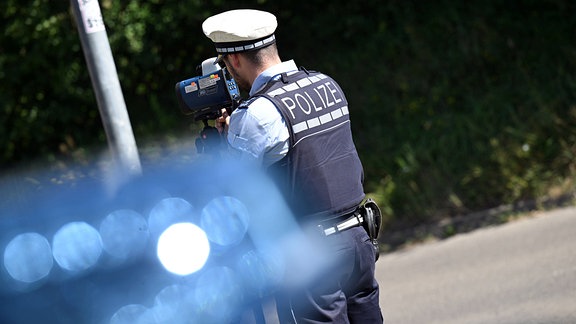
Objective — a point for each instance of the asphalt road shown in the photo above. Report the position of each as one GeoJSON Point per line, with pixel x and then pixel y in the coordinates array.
{"type": "Point", "coordinates": [520, 272]}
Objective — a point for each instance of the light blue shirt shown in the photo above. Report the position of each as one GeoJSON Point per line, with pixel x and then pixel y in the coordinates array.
{"type": "Point", "coordinates": [260, 133]}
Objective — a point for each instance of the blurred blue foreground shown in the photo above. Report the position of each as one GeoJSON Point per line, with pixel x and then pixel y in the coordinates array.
{"type": "Point", "coordinates": [197, 243]}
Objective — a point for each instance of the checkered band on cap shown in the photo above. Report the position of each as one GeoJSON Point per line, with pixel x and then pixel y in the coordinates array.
{"type": "Point", "coordinates": [226, 48]}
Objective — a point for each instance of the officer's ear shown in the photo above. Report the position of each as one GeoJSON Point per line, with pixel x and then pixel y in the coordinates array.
{"type": "Point", "coordinates": [233, 59]}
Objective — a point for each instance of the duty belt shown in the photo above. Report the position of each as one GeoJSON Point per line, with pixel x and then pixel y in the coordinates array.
{"type": "Point", "coordinates": [355, 220]}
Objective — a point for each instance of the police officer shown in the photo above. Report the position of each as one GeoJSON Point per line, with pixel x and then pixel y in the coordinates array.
{"type": "Point", "coordinates": [296, 124]}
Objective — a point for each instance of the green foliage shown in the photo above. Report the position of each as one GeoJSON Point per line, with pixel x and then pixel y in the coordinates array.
{"type": "Point", "coordinates": [475, 104]}
{"type": "Point", "coordinates": [41, 71]}
{"type": "Point", "coordinates": [456, 106]}
{"type": "Point", "coordinates": [48, 105]}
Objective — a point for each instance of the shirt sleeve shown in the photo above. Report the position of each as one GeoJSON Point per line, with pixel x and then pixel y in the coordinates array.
{"type": "Point", "coordinates": [259, 132]}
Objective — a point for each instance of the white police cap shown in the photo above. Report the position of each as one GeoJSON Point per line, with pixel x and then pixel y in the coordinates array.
{"type": "Point", "coordinates": [240, 30]}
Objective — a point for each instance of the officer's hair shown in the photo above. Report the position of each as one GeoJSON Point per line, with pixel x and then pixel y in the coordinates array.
{"type": "Point", "coordinates": [261, 55]}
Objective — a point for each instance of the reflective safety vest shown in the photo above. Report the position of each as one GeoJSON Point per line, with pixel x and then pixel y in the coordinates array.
{"type": "Point", "coordinates": [321, 176]}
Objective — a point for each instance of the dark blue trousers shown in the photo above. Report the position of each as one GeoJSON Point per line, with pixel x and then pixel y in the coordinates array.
{"type": "Point", "coordinates": [347, 292]}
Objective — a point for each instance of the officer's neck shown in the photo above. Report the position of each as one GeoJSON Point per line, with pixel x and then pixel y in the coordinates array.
{"type": "Point", "coordinates": [254, 70]}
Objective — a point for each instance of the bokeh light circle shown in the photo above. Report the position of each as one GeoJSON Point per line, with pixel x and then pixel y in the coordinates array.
{"type": "Point", "coordinates": [124, 234]}
{"type": "Point", "coordinates": [225, 220]}
{"type": "Point", "coordinates": [219, 294]}
{"type": "Point", "coordinates": [167, 212]}
{"type": "Point", "coordinates": [129, 314]}
{"type": "Point", "coordinates": [173, 304]}
{"type": "Point", "coordinates": [183, 248]}
{"type": "Point", "coordinates": [77, 246]}
{"type": "Point", "coordinates": [28, 257]}
{"type": "Point", "coordinates": [260, 270]}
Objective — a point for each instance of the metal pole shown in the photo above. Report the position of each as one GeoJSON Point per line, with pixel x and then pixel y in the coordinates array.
{"type": "Point", "coordinates": [106, 85]}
